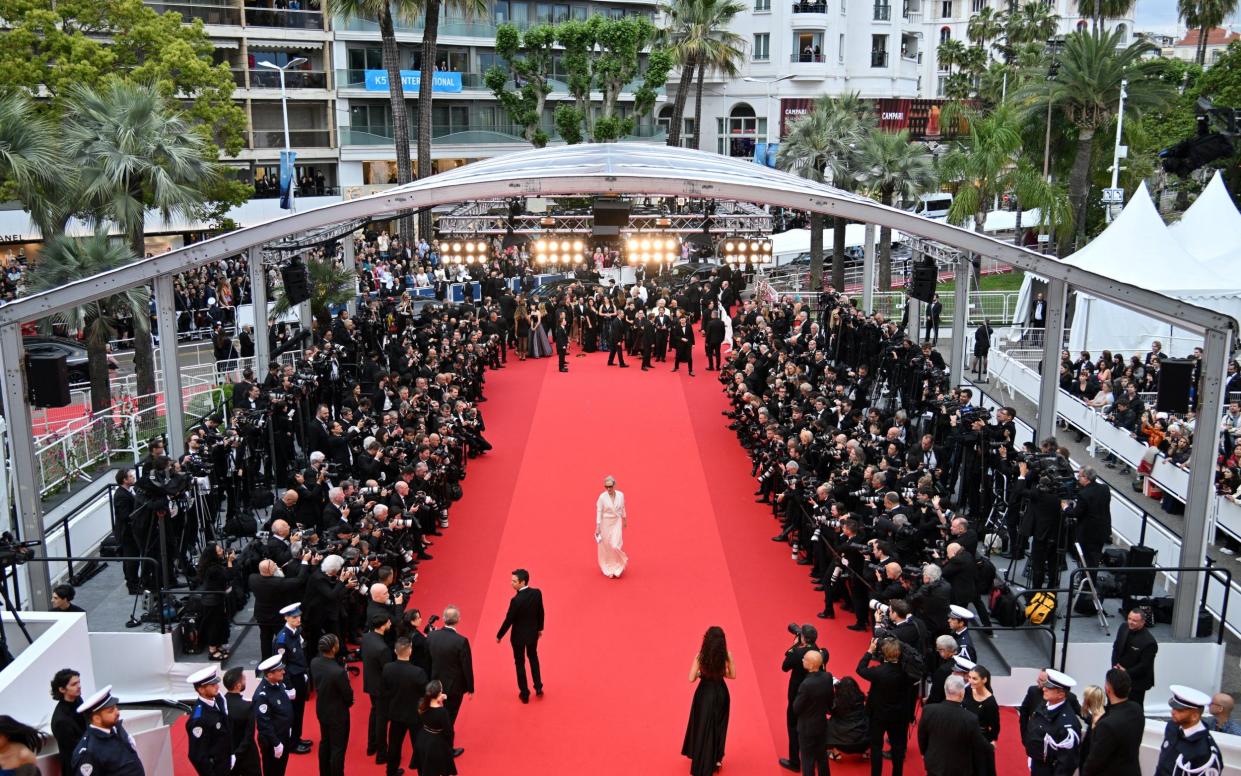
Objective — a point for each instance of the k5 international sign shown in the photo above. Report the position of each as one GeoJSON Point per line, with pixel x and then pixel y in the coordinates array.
{"type": "Point", "coordinates": [411, 80]}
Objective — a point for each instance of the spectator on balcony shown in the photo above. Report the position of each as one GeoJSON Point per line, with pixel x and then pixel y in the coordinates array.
{"type": "Point", "coordinates": [807, 53]}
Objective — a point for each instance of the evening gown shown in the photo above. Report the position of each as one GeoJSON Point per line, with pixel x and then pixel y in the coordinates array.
{"type": "Point", "coordinates": [540, 345]}
{"type": "Point", "coordinates": [708, 726]}
{"type": "Point", "coordinates": [590, 332]}
{"type": "Point", "coordinates": [433, 744]}
{"type": "Point", "coordinates": [610, 517]}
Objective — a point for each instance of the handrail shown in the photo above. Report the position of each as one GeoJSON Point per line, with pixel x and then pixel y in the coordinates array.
{"type": "Point", "coordinates": [1051, 655]}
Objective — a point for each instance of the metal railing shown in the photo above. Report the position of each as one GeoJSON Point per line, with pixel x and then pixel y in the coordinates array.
{"type": "Point", "coordinates": [284, 17]}
{"type": "Point", "coordinates": [883, 13]}
{"type": "Point", "coordinates": [209, 13]}
{"type": "Point", "coordinates": [262, 78]}
{"type": "Point", "coordinates": [809, 7]}
{"type": "Point", "coordinates": [878, 59]}
{"type": "Point", "coordinates": [803, 57]}
{"type": "Point", "coordinates": [298, 138]}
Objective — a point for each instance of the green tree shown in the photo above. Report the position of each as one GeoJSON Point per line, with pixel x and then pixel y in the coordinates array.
{"type": "Point", "coordinates": [822, 146]}
{"type": "Point", "coordinates": [698, 37]}
{"type": "Point", "coordinates": [131, 153]}
{"type": "Point", "coordinates": [66, 259]}
{"type": "Point", "coordinates": [1204, 15]}
{"type": "Point", "coordinates": [51, 47]}
{"type": "Point", "coordinates": [891, 168]}
{"type": "Point", "coordinates": [1032, 22]}
{"type": "Point", "coordinates": [1099, 10]}
{"type": "Point", "coordinates": [430, 38]}
{"type": "Point", "coordinates": [28, 149]}
{"type": "Point", "coordinates": [1086, 92]}
{"type": "Point", "coordinates": [331, 283]}
{"type": "Point", "coordinates": [604, 55]}
{"type": "Point", "coordinates": [382, 12]}
{"type": "Point", "coordinates": [522, 89]}
{"type": "Point", "coordinates": [985, 27]}
{"type": "Point", "coordinates": [950, 53]}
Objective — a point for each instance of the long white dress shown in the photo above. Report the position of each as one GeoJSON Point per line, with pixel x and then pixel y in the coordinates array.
{"type": "Point", "coordinates": [610, 517]}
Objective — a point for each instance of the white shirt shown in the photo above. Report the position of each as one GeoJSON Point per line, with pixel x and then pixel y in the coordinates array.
{"type": "Point", "coordinates": [610, 506]}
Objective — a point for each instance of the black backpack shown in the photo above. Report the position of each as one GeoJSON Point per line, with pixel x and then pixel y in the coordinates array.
{"type": "Point", "coordinates": [1007, 610]}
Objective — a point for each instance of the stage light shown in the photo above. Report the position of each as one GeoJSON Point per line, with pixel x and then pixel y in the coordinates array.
{"type": "Point", "coordinates": [652, 247]}
{"type": "Point", "coordinates": [745, 251]}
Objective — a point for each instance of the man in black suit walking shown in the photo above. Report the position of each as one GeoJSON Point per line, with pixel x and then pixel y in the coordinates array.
{"type": "Point", "coordinates": [887, 703]}
{"type": "Point", "coordinates": [404, 685]}
{"type": "Point", "coordinates": [452, 664]}
{"type": "Point", "coordinates": [814, 700]}
{"type": "Point", "coordinates": [1117, 736]}
{"type": "Point", "coordinates": [714, 335]}
{"type": "Point", "coordinates": [560, 333]}
{"type": "Point", "coordinates": [950, 737]}
{"type": "Point", "coordinates": [683, 342]}
{"type": "Point", "coordinates": [525, 617]}
{"type": "Point", "coordinates": [334, 699]}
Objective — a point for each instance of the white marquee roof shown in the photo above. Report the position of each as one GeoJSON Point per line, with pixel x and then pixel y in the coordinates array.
{"type": "Point", "coordinates": [1211, 227]}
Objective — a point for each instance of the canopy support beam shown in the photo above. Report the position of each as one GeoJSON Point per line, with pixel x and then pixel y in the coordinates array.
{"type": "Point", "coordinates": [26, 480]}
{"type": "Point", "coordinates": [1053, 336]}
{"type": "Point", "coordinates": [960, 310]}
{"type": "Point", "coordinates": [174, 402]}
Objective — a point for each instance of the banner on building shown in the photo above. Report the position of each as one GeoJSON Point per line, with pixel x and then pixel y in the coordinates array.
{"type": "Point", "coordinates": [791, 109]}
{"type": "Point", "coordinates": [411, 80]}
{"type": "Point", "coordinates": [288, 178]}
{"type": "Point", "coordinates": [921, 118]}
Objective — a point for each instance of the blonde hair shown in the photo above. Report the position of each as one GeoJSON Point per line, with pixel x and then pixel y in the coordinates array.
{"type": "Point", "coordinates": [609, 479]}
{"type": "Point", "coordinates": [1093, 702]}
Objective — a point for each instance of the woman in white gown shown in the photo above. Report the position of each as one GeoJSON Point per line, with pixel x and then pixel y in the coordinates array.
{"type": "Point", "coordinates": [610, 522]}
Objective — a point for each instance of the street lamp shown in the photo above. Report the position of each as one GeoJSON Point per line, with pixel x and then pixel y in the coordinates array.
{"type": "Point", "coordinates": [767, 107]}
{"type": "Point", "coordinates": [287, 160]}
{"type": "Point", "coordinates": [284, 101]}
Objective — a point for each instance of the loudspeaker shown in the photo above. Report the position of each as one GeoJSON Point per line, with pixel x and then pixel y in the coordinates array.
{"type": "Point", "coordinates": [922, 281]}
{"type": "Point", "coordinates": [1176, 378]}
{"type": "Point", "coordinates": [610, 215]}
{"type": "Point", "coordinates": [48, 380]}
{"type": "Point", "coordinates": [1140, 583]}
{"type": "Point", "coordinates": [296, 281]}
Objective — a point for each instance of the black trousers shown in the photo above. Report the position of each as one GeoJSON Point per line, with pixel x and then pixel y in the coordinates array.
{"type": "Point", "coordinates": [273, 765]}
{"type": "Point", "coordinates": [377, 727]}
{"type": "Point", "coordinates": [687, 359]}
{"type": "Point", "coordinates": [397, 730]}
{"type": "Point", "coordinates": [898, 733]}
{"type": "Point", "coordinates": [932, 332]}
{"type": "Point", "coordinates": [790, 721]}
{"type": "Point", "coordinates": [646, 356]}
{"type": "Point", "coordinates": [814, 757]}
{"type": "Point", "coordinates": [713, 357]}
{"type": "Point", "coordinates": [617, 351]}
{"type": "Point", "coordinates": [1042, 563]}
{"type": "Point", "coordinates": [859, 596]}
{"type": "Point", "coordinates": [522, 652]}
{"type": "Point", "coordinates": [661, 346]}
{"type": "Point", "coordinates": [298, 682]}
{"type": "Point", "coordinates": [129, 547]}
{"type": "Point", "coordinates": [333, 741]}
{"type": "Point", "coordinates": [267, 633]}
{"type": "Point", "coordinates": [453, 704]}
{"type": "Point", "coordinates": [560, 356]}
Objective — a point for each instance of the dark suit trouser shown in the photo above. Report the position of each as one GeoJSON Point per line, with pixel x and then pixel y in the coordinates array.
{"type": "Point", "coordinates": [333, 741]}
{"type": "Point", "coordinates": [298, 682]}
{"type": "Point", "coordinates": [273, 765]}
{"type": "Point", "coordinates": [520, 654]}
{"type": "Point", "coordinates": [687, 359]}
{"type": "Point", "coordinates": [790, 721]}
{"type": "Point", "coordinates": [932, 332]}
{"type": "Point", "coordinates": [560, 356]}
{"type": "Point", "coordinates": [897, 732]}
{"type": "Point", "coordinates": [661, 346]}
{"type": "Point", "coordinates": [713, 357]}
{"type": "Point", "coordinates": [858, 597]}
{"type": "Point", "coordinates": [453, 704]}
{"type": "Point", "coordinates": [617, 351]}
{"type": "Point", "coordinates": [396, 740]}
{"type": "Point", "coordinates": [1137, 696]}
{"type": "Point", "coordinates": [646, 356]}
{"type": "Point", "coordinates": [1042, 563]}
{"type": "Point", "coordinates": [814, 756]}
{"type": "Point", "coordinates": [267, 632]}
{"type": "Point", "coordinates": [377, 727]}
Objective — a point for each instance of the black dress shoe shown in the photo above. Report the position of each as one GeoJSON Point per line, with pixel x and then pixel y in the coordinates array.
{"type": "Point", "coordinates": [305, 742]}
{"type": "Point", "coordinates": [804, 562]}
{"type": "Point", "coordinates": [381, 759]}
{"type": "Point", "coordinates": [624, 366]}
{"type": "Point", "coordinates": [828, 615]}
{"type": "Point", "coordinates": [538, 691]}
{"type": "Point", "coordinates": [780, 538]}
{"type": "Point", "coordinates": [425, 556]}
{"type": "Point", "coordinates": [818, 588]}
{"type": "Point", "coordinates": [857, 626]}
{"type": "Point", "coordinates": [457, 752]}
{"type": "Point", "coordinates": [789, 764]}
{"type": "Point", "coordinates": [525, 697]}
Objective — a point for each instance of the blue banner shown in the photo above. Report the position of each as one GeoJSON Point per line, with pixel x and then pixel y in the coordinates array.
{"type": "Point", "coordinates": [288, 178]}
{"type": "Point", "coordinates": [411, 80]}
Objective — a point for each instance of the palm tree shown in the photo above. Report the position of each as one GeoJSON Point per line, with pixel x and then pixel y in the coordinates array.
{"type": "Point", "coordinates": [1087, 93]}
{"type": "Point", "coordinates": [822, 146]}
{"type": "Point", "coordinates": [949, 53]}
{"type": "Point", "coordinates": [1204, 15]}
{"type": "Point", "coordinates": [66, 259]}
{"type": "Point", "coordinates": [891, 167]}
{"type": "Point", "coordinates": [698, 37]}
{"type": "Point", "coordinates": [381, 11]}
{"type": "Point", "coordinates": [430, 36]}
{"type": "Point", "coordinates": [1033, 22]}
{"type": "Point", "coordinates": [331, 283]}
{"type": "Point", "coordinates": [1098, 10]}
{"type": "Point", "coordinates": [132, 152]}
{"type": "Point", "coordinates": [28, 153]}
{"type": "Point", "coordinates": [985, 26]}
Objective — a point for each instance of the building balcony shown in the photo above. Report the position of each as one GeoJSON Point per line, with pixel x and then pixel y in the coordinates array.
{"type": "Point", "coordinates": [448, 27]}
{"type": "Point", "coordinates": [804, 58]}
{"type": "Point", "coordinates": [878, 59]}
{"type": "Point", "coordinates": [264, 78]}
{"type": "Point", "coordinates": [260, 16]}
{"type": "Point", "coordinates": [209, 13]}
{"type": "Point", "coordinates": [806, 7]}
{"type": "Point", "coordinates": [883, 13]}
{"type": "Point", "coordinates": [298, 138]}
{"type": "Point", "coordinates": [465, 135]}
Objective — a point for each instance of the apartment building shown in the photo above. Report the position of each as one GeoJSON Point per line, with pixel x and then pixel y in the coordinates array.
{"type": "Point", "coordinates": [799, 50]}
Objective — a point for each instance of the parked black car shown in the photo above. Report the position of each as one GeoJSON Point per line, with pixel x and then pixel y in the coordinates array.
{"type": "Point", "coordinates": [74, 352]}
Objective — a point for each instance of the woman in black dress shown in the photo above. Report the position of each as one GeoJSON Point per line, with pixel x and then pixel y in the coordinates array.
{"type": "Point", "coordinates": [708, 714]}
{"type": "Point", "coordinates": [433, 744]}
{"type": "Point", "coordinates": [215, 578]}
{"type": "Point", "coordinates": [590, 326]}
{"type": "Point", "coordinates": [848, 730]}
{"type": "Point", "coordinates": [978, 699]}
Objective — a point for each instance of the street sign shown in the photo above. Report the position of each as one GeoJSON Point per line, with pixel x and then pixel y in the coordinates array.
{"type": "Point", "coordinates": [1113, 196]}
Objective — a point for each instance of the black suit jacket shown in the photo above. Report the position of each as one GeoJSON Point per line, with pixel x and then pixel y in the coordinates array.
{"type": "Point", "coordinates": [814, 700]}
{"type": "Point", "coordinates": [271, 594]}
{"type": "Point", "coordinates": [1115, 740]}
{"type": "Point", "coordinates": [715, 332]}
{"type": "Point", "coordinates": [951, 741]}
{"type": "Point", "coordinates": [123, 506]}
{"type": "Point", "coordinates": [525, 617]}
{"type": "Point", "coordinates": [890, 691]}
{"type": "Point", "coordinates": [404, 685]}
{"type": "Point", "coordinates": [1135, 652]}
{"type": "Point", "coordinates": [375, 655]}
{"type": "Point", "coordinates": [1093, 513]}
{"type": "Point", "coordinates": [451, 661]}
{"type": "Point", "coordinates": [960, 571]}
{"type": "Point", "coordinates": [317, 436]}
{"type": "Point", "coordinates": [241, 715]}
{"type": "Point", "coordinates": [333, 691]}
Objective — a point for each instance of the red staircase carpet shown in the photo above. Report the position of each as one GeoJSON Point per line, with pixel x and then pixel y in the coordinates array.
{"type": "Point", "coordinates": [616, 653]}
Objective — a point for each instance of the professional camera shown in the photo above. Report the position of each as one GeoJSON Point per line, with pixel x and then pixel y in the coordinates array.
{"type": "Point", "coordinates": [975, 413]}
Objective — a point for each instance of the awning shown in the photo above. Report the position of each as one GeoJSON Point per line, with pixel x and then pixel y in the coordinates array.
{"type": "Point", "coordinates": [225, 44]}
{"type": "Point", "coordinates": [282, 45]}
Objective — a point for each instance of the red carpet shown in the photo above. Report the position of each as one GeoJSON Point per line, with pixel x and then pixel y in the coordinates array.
{"type": "Point", "coordinates": [616, 653]}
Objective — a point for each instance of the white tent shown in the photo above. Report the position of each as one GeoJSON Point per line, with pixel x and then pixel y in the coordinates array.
{"type": "Point", "coordinates": [1211, 227]}
{"type": "Point", "coordinates": [1138, 248]}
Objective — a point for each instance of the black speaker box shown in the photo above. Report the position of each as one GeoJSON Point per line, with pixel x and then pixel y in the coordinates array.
{"type": "Point", "coordinates": [48, 380]}
{"type": "Point", "coordinates": [1176, 378]}
{"type": "Point", "coordinates": [1140, 583]}
{"type": "Point", "coordinates": [610, 212]}
{"type": "Point", "coordinates": [922, 281]}
{"type": "Point", "coordinates": [296, 282]}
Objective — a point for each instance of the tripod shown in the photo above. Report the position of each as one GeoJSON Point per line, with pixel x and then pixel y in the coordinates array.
{"type": "Point", "coordinates": [6, 657]}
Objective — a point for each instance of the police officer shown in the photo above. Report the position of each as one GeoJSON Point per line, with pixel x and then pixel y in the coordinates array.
{"type": "Point", "coordinates": [1053, 734]}
{"type": "Point", "coordinates": [1187, 745]}
{"type": "Point", "coordinates": [288, 644]}
{"type": "Point", "coordinates": [208, 729]}
{"type": "Point", "coordinates": [959, 619]}
{"type": "Point", "coordinates": [273, 717]}
{"type": "Point", "coordinates": [106, 749]}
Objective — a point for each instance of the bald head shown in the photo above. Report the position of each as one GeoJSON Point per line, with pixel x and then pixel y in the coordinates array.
{"type": "Point", "coordinates": [812, 661]}
{"type": "Point", "coordinates": [267, 567]}
{"type": "Point", "coordinates": [379, 593]}
{"type": "Point", "coordinates": [280, 528]}
{"type": "Point", "coordinates": [290, 497]}
{"type": "Point", "coordinates": [1221, 705]}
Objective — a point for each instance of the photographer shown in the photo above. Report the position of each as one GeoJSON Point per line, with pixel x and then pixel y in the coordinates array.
{"type": "Point", "coordinates": [1091, 508]}
{"type": "Point", "coordinates": [932, 600]}
{"type": "Point", "coordinates": [1041, 521]}
{"type": "Point", "coordinates": [888, 702]}
{"type": "Point", "coordinates": [324, 598]}
{"type": "Point", "coordinates": [806, 639]}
